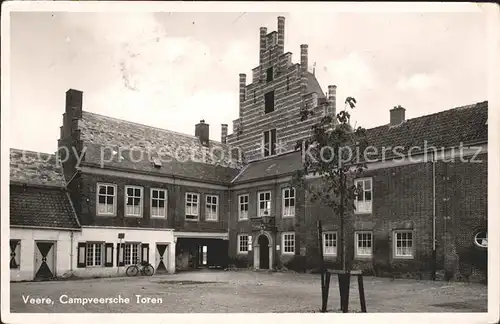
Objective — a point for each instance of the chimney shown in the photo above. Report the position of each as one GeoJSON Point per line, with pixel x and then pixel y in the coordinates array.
{"type": "Point", "coordinates": [397, 115]}
{"type": "Point", "coordinates": [263, 34]}
{"type": "Point", "coordinates": [201, 131]}
{"type": "Point", "coordinates": [223, 133]}
{"type": "Point", "coordinates": [281, 34]}
{"type": "Point", "coordinates": [243, 84]}
{"type": "Point", "coordinates": [303, 57]}
{"type": "Point", "coordinates": [332, 100]}
{"type": "Point", "coordinates": [74, 100]}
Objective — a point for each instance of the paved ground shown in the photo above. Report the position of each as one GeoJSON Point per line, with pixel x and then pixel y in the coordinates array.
{"type": "Point", "coordinates": [245, 291]}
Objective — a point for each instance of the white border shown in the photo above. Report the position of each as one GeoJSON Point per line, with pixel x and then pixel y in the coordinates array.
{"type": "Point", "coordinates": [493, 177]}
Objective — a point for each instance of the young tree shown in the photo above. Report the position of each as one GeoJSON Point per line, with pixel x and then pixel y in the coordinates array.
{"type": "Point", "coordinates": [334, 153]}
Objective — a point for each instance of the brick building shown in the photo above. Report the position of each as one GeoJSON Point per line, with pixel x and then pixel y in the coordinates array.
{"type": "Point", "coordinates": [184, 201]}
{"type": "Point", "coordinates": [415, 215]}
{"type": "Point", "coordinates": [43, 223]}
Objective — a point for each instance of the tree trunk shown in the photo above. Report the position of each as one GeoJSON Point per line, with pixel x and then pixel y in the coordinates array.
{"type": "Point", "coordinates": [341, 215]}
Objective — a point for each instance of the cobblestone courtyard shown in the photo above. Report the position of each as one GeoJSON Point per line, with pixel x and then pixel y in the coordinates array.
{"type": "Point", "coordinates": [245, 291]}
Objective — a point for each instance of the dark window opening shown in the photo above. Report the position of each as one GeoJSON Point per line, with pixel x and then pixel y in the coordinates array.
{"type": "Point", "coordinates": [270, 142]}
{"type": "Point", "coordinates": [254, 99]}
{"type": "Point", "coordinates": [269, 102]}
{"type": "Point", "coordinates": [269, 74]}
{"type": "Point", "coordinates": [287, 83]}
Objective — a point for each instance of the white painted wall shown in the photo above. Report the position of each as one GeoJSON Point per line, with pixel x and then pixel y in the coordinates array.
{"type": "Point", "coordinates": [26, 270]}
{"type": "Point", "coordinates": [66, 249]}
{"type": "Point", "coordinates": [110, 235]}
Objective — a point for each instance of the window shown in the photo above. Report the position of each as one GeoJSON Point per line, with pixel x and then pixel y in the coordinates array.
{"type": "Point", "coordinates": [269, 74]}
{"type": "Point", "coordinates": [287, 83]}
{"type": "Point", "coordinates": [131, 253]}
{"type": "Point", "coordinates": [106, 202]}
{"type": "Point", "coordinates": [403, 244]}
{"type": "Point", "coordinates": [330, 243]}
{"type": "Point", "coordinates": [269, 102]}
{"type": "Point", "coordinates": [363, 201]}
{"type": "Point", "coordinates": [211, 208]}
{"type": "Point", "coordinates": [288, 243]}
{"type": "Point", "coordinates": [15, 254]}
{"type": "Point", "coordinates": [94, 255]}
{"type": "Point", "coordinates": [264, 203]}
{"type": "Point", "coordinates": [243, 243]}
{"type": "Point", "coordinates": [133, 201]}
{"type": "Point", "coordinates": [363, 244]}
{"type": "Point", "coordinates": [288, 202]}
{"type": "Point", "coordinates": [481, 239]}
{"type": "Point", "coordinates": [243, 207]}
{"type": "Point", "coordinates": [158, 203]}
{"type": "Point", "coordinates": [192, 206]}
{"type": "Point", "coordinates": [269, 142]}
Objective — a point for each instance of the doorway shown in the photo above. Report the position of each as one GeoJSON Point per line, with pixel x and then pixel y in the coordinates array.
{"type": "Point", "coordinates": [263, 252]}
{"type": "Point", "coordinates": [161, 265]}
{"type": "Point", "coordinates": [44, 260]}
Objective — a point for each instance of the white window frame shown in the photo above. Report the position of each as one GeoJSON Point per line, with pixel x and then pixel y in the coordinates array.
{"type": "Point", "coordinates": [129, 246]}
{"type": "Point", "coordinates": [141, 201]}
{"type": "Point", "coordinates": [356, 246]}
{"type": "Point", "coordinates": [334, 252]}
{"type": "Point", "coordinates": [115, 195]}
{"type": "Point", "coordinates": [283, 245]}
{"type": "Point", "coordinates": [364, 206]}
{"type": "Point", "coordinates": [290, 211]}
{"type": "Point", "coordinates": [92, 248]}
{"type": "Point", "coordinates": [186, 214]}
{"type": "Point", "coordinates": [249, 242]}
{"type": "Point", "coordinates": [261, 212]}
{"type": "Point", "coordinates": [481, 245]}
{"type": "Point", "coordinates": [209, 217]}
{"type": "Point", "coordinates": [270, 145]}
{"type": "Point", "coordinates": [165, 200]}
{"type": "Point", "coordinates": [243, 215]}
{"type": "Point", "coordinates": [395, 241]}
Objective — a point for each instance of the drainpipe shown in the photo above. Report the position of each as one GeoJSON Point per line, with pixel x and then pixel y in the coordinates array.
{"type": "Point", "coordinates": [228, 226]}
{"type": "Point", "coordinates": [434, 256]}
{"type": "Point", "coordinates": [71, 253]}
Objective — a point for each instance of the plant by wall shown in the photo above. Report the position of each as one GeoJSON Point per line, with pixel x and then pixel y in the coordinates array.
{"type": "Point", "coordinates": [330, 153]}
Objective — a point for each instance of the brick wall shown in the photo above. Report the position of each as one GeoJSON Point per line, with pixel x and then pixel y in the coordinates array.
{"type": "Point", "coordinates": [175, 207]}
{"type": "Point", "coordinates": [283, 224]}
{"type": "Point", "coordinates": [402, 200]}
{"type": "Point", "coordinates": [462, 210]}
{"type": "Point", "coordinates": [290, 92]}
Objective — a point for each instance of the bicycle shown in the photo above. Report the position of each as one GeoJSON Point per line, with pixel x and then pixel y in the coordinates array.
{"type": "Point", "coordinates": [144, 268]}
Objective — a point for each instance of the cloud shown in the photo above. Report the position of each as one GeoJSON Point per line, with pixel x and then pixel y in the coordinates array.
{"type": "Point", "coordinates": [421, 82]}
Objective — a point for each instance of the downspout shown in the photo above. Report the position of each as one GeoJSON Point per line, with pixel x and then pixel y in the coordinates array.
{"type": "Point", "coordinates": [434, 256]}
{"type": "Point", "coordinates": [71, 253]}
{"type": "Point", "coordinates": [228, 226]}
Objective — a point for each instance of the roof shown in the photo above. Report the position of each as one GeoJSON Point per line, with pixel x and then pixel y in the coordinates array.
{"type": "Point", "coordinates": [277, 166]}
{"type": "Point", "coordinates": [314, 86]}
{"type": "Point", "coordinates": [41, 207]}
{"type": "Point", "coordinates": [466, 124]}
{"type": "Point", "coordinates": [141, 161]}
{"type": "Point", "coordinates": [448, 128]}
{"type": "Point", "coordinates": [35, 168]}
{"type": "Point", "coordinates": [107, 131]}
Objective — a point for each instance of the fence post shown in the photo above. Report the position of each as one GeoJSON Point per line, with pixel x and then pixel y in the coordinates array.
{"type": "Point", "coordinates": [324, 291]}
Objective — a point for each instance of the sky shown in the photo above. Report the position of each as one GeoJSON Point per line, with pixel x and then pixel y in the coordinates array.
{"type": "Point", "coordinates": [170, 70]}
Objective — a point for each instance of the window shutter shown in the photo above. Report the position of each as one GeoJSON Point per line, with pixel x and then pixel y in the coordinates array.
{"type": "Point", "coordinates": [108, 255]}
{"type": "Point", "coordinates": [145, 252]}
{"type": "Point", "coordinates": [119, 254]}
{"type": "Point", "coordinates": [81, 253]}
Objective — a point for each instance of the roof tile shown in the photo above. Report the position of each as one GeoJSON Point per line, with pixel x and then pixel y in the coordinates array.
{"type": "Point", "coordinates": [41, 206]}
